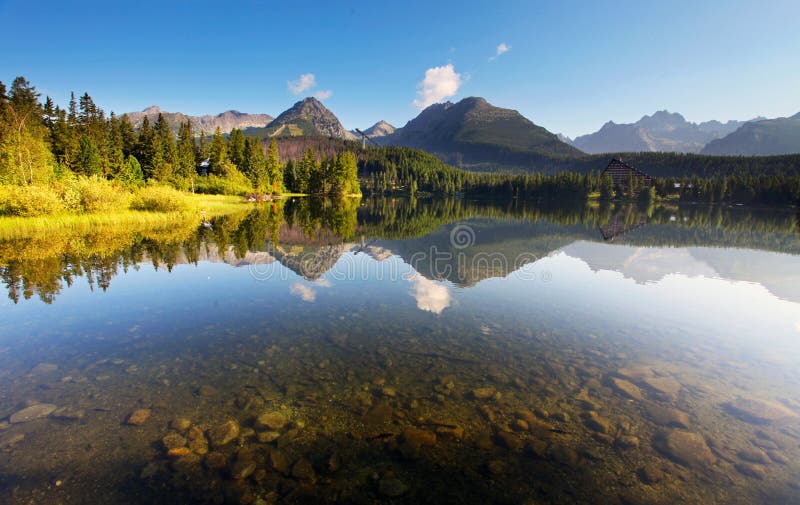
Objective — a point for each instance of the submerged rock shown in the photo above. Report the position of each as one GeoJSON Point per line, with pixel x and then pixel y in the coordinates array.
{"type": "Point", "coordinates": [380, 414]}
{"type": "Point", "coordinates": [138, 417]}
{"type": "Point", "coordinates": [43, 368]}
{"type": "Point", "coordinates": [778, 457]}
{"type": "Point", "coordinates": [510, 441]}
{"type": "Point", "coordinates": [223, 434]}
{"type": "Point", "coordinates": [215, 460]}
{"type": "Point", "coordinates": [754, 456]}
{"type": "Point", "coordinates": [751, 470]}
{"type": "Point", "coordinates": [651, 474]}
{"type": "Point", "coordinates": [271, 420]}
{"type": "Point", "coordinates": [68, 414]}
{"type": "Point", "coordinates": [483, 393]}
{"type": "Point", "coordinates": [266, 437]}
{"type": "Point", "coordinates": [302, 470]}
{"type": "Point", "coordinates": [685, 447]}
{"type": "Point", "coordinates": [666, 386]}
{"type": "Point", "coordinates": [759, 411]}
{"type": "Point", "coordinates": [10, 439]}
{"type": "Point", "coordinates": [279, 462]}
{"type": "Point", "coordinates": [392, 487]}
{"type": "Point", "coordinates": [180, 424]}
{"type": "Point", "coordinates": [627, 389]}
{"type": "Point", "coordinates": [243, 469]}
{"type": "Point", "coordinates": [596, 422]}
{"type": "Point", "coordinates": [636, 373]}
{"type": "Point", "coordinates": [173, 441]}
{"type": "Point", "coordinates": [666, 416]}
{"type": "Point", "coordinates": [416, 437]}
{"type": "Point", "coordinates": [31, 413]}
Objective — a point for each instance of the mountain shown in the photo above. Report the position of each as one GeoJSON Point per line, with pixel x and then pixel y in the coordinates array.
{"type": "Point", "coordinates": [473, 133]}
{"type": "Point", "coordinates": [760, 138]}
{"type": "Point", "coordinates": [563, 138]}
{"type": "Point", "coordinates": [307, 117]}
{"type": "Point", "coordinates": [379, 129]}
{"type": "Point", "coordinates": [663, 131]}
{"type": "Point", "coordinates": [226, 121]}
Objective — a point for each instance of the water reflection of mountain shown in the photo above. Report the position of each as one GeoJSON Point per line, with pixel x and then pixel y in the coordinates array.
{"type": "Point", "coordinates": [779, 273]}
{"type": "Point", "coordinates": [309, 237]}
{"type": "Point", "coordinates": [497, 248]}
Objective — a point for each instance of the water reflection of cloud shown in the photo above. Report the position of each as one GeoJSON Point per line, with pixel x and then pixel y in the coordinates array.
{"type": "Point", "coordinates": [323, 283]}
{"type": "Point", "coordinates": [430, 295]}
{"type": "Point", "coordinates": [797, 326]}
{"type": "Point", "coordinates": [305, 293]}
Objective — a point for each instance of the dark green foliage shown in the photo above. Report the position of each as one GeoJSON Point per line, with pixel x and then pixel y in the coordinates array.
{"type": "Point", "coordinates": [185, 153]}
{"type": "Point", "coordinates": [397, 168]}
{"type": "Point", "coordinates": [252, 163]}
{"type": "Point", "coordinates": [88, 159]}
{"type": "Point", "coordinates": [217, 152]}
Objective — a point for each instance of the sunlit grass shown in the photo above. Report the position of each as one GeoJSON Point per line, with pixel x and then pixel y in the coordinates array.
{"type": "Point", "coordinates": [200, 207]}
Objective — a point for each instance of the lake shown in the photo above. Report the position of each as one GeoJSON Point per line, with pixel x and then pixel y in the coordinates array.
{"type": "Point", "coordinates": [407, 351]}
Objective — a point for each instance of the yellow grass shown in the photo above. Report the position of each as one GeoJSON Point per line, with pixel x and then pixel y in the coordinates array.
{"type": "Point", "coordinates": [203, 206]}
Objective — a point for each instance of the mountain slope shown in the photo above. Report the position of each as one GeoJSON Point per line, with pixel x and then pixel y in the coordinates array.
{"type": "Point", "coordinates": [307, 117]}
{"type": "Point", "coordinates": [226, 121]}
{"type": "Point", "coordinates": [473, 133]}
{"type": "Point", "coordinates": [380, 129]}
{"type": "Point", "coordinates": [760, 138]}
{"type": "Point", "coordinates": [663, 131]}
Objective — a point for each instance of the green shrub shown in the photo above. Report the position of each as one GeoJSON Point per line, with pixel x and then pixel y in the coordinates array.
{"type": "Point", "coordinates": [215, 185]}
{"type": "Point", "coordinates": [91, 194]}
{"type": "Point", "coordinates": [160, 199]}
{"type": "Point", "coordinates": [99, 195]}
{"type": "Point", "coordinates": [29, 201]}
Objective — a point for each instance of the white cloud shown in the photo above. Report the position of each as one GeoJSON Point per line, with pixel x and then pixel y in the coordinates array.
{"type": "Point", "coordinates": [306, 81]}
{"type": "Point", "coordinates": [430, 296]}
{"type": "Point", "coordinates": [323, 283]}
{"type": "Point", "coordinates": [304, 292]}
{"type": "Point", "coordinates": [501, 49]}
{"type": "Point", "coordinates": [439, 83]}
{"type": "Point", "coordinates": [322, 95]}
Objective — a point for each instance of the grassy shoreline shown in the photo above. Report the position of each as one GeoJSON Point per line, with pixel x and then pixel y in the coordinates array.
{"type": "Point", "coordinates": [202, 206]}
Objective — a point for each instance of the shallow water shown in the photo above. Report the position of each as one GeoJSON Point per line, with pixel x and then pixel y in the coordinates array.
{"type": "Point", "coordinates": [407, 352]}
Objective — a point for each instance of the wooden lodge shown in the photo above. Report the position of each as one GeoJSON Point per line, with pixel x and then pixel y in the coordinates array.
{"type": "Point", "coordinates": [623, 174]}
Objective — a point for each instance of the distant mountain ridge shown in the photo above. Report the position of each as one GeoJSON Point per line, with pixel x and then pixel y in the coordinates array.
{"type": "Point", "coordinates": [475, 133]}
{"type": "Point", "coordinates": [308, 117]}
{"type": "Point", "coordinates": [379, 129]}
{"type": "Point", "coordinates": [663, 131]}
{"type": "Point", "coordinates": [226, 121]}
{"type": "Point", "coordinates": [760, 138]}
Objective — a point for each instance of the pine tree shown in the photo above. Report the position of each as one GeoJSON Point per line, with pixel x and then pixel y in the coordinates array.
{"type": "Point", "coordinates": [254, 165]}
{"type": "Point", "coordinates": [64, 141]}
{"type": "Point", "coordinates": [128, 135]}
{"type": "Point", "coordinates": [217, 153]}
{"type": "Point", "coordinates": [200, 154]}
{"type": "Point", "coordinates": [166, 150]}
{"type": "Point", "coordinates": [146, 151]}
{"type": "Point", "coordinates": [116, 157]}
{"type": "Point", "coordinates": [186, 151]}
{"type": "Point", "coordinates": [274, 171]}
{"type": "Point", "coordinates": [236, 147]}
{"type": "Point", "coordinates": [290, 177]}
{"type": "Point", "coordinates": [88, 159]}
{"type": "Point", "coordinates": [72, 116]}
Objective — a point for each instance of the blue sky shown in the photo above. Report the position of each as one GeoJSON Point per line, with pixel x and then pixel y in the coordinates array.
{"type": "Point", "coordinates": [570, 66]}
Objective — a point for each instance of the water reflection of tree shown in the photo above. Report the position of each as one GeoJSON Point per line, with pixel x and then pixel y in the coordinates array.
{"type": "Point", "coordinates": [41, 265]}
